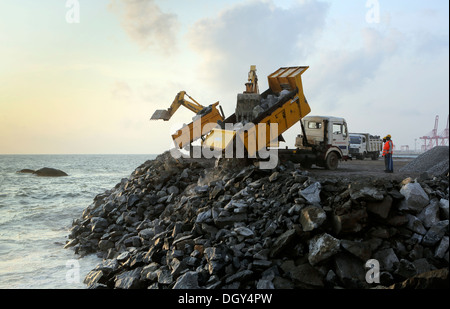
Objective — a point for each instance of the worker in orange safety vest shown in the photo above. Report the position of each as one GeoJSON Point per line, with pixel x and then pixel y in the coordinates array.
{"type": "Point", "coordinates": [388, 149]}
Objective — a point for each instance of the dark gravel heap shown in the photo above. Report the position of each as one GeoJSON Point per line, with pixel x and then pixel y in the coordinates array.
{"type": "Point", "coordinates": [434, 162]}
{"type": "Point", "coordinates": [186, 224]}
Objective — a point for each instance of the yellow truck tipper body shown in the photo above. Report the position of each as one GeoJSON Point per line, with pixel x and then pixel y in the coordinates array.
{"type": "Point", "coordinates": [288, 110]}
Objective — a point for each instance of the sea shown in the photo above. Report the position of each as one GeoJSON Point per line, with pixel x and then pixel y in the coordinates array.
{"type": "Point", "coordinates": [36, 214]}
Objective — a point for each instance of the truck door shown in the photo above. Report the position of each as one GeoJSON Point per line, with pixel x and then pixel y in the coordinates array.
{"type": "Point", "coordinates": [340, 136]}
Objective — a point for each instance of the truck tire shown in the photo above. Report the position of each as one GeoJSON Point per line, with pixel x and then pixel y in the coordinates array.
{"type": "Point", "coordinates": [332, 161]}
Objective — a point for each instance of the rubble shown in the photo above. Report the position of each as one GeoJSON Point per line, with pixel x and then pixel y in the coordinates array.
{"type": "Point", "coordinates": [186, 224]}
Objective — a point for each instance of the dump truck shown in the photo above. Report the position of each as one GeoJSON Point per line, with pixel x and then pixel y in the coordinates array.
{"type": "Point", "coordinates": [205, 116]}
{"type": "Point", "coordinates": [323, 142]}
{"type": "Point", "coordinates": [365, 145]}
{"type": "Point", "coordinates": [279, 108]}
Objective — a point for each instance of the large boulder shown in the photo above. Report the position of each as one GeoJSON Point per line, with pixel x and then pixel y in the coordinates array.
{"type": "Point", "coordinates": [312, 193]}
{"type": "Point", "coordinates": [49, 172]}
{"type": "Point", "coordinates": [415, 197]}
{"type": "Point", "coordinates": [435, 233]}
{"type": "Point", "coordinates": [26, 171]}
{"type": "Point", "coordinates": [312, 217]}
{"type": "Point", "coordinates": [321, 247]}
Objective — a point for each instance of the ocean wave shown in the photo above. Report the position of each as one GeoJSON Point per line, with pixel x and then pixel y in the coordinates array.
{"type": "Point", "coordinates": [36, 212]}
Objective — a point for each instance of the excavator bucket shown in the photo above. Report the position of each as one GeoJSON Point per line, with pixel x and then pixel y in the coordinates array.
{"type": "Point", "coordinates": [161, 114]}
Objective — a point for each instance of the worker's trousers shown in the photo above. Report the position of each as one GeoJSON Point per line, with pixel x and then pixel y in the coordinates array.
{"type": "Point", "coordinates": [388, 163]}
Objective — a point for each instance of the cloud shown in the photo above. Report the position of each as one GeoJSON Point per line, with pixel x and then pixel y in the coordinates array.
{"type": "Point", "coordinates": [254, 32]}
{"type": "Point", "coordinates": [146, 24]}
{"type": "Point", "coordinates": [340, 71]}
{"type": "Point", "coordinates": [121, 91]}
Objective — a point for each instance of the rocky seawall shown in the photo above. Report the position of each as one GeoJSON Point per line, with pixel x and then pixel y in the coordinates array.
{"type": "Point", "coordinates": [186, 224]}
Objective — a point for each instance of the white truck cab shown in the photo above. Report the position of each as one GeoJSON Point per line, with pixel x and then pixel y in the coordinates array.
{"type": "Point", "coordinates": [365, 145]}
{"type": "Point", "coordinates": [327, 138]}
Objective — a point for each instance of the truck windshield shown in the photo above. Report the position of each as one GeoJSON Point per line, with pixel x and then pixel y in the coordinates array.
{"type": "Point", "coordinates": [355, 140]}
{"type": "Point", "coordinates": [314, 125]}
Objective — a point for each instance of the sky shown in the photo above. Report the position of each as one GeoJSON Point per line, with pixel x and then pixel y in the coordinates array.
{"type": "Point", "coordinates": [85, 76]}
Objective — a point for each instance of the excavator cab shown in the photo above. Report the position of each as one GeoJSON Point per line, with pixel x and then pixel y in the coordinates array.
{"type": "Point", "coordinates": [249, 99]}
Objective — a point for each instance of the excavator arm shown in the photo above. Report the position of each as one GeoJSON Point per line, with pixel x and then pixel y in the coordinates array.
{"type": "Point", "coordinates": [166, 114]}
{"type": "Point", "coordinates": [204, 120]}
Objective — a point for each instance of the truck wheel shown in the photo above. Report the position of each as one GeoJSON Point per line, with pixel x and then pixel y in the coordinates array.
{"type": "Point", "coordinates": [332, 161]}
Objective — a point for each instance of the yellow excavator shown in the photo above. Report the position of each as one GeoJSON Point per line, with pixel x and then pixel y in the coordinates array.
{"type": "Point", "coordinates": [196, 129]}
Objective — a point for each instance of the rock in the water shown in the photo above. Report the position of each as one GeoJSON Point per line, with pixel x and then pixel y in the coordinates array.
{"type": "Point", "coordinates": [26, 171]}
{"type": "Point", "coordinates": [49, 172]}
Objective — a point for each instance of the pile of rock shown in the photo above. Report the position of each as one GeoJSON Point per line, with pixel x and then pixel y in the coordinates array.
{"type": "Point", "coordinates": [181, 224]}
{"type": "Point", "coordinates": [434, 162]}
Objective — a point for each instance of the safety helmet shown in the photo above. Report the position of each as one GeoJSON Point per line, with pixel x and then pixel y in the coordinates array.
{"type": "Point", "coordinates": [388, 136]}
